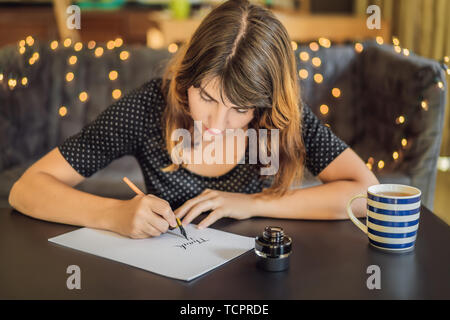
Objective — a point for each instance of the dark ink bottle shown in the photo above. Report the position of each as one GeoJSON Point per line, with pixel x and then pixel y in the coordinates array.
{"type": "Point", "coordinates": [273, 249]}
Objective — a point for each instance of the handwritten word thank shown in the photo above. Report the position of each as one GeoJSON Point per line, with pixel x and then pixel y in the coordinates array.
{"type": "Point", "coordinates": [192, 241]}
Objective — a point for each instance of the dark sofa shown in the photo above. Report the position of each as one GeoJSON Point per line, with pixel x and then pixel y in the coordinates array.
{"type": "Point", "coordinates": [377, 86]}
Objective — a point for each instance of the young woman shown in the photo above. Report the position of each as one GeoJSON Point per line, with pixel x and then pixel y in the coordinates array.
{"type": "Point", "coordinates": [236, 72]}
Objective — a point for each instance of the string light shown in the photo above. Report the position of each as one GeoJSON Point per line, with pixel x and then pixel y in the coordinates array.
{"type": "Point", "coordinates": [118, 42]}
{"type": "Point", "coordinates": [381, 164]}
{"type": "Point", "coordinates": [303, 73]}
{"type": "Point", "coordinates": [395, 41]}
{"type": "Point", "coordinates": [124, 55]}
{"type": "Point", "coordinates": [369, 163]}
{"type": "Point", "coordinates": [316, 61]}
{"type": "Point", "coordinates": [424, 105]}
{"type": "Point", "coordinates": [397, 49]}
{"type": "Point", "coordinates": [29, 40]}
{"type": "Point", "coordinates": [314, 46]}
{"type": "Point", "coordinates": [1, 76]}
{"type": "Point", "coordinates": [83, 96]}
{"type": "Point", "coordinates": [324, 109]}
{"type": "Point", "coordinates": [324, 42]}
{"type": "Point", "coordinates": [69, 76]}
{"type": "Point", "coordinates": [116, 93]}
{"type": "Point", "coordinates": [404, 142]}
{"type": "Point", "coordinates": [395, 155]}
{"type": "Point", "coordinates": [336, 92]}
{"type": "Point", "coordinates": [406, 52]}
{"type": "Point", "coordinates": [400, 120]}
{"type": "Point", "coordinates": [359, 47]}
{"type": "Point", "coordinates": [12, 83]}
{"type": "Point", "coordinates": [304, 56]}
{"type": "Point", "coordinates": [110, 45]}
{"type": "Point", "coordinates": [113, 75]}
{"type": "Point", "coordinates": [294, 45]}
{"type": "Point", "coordinates": [98, 52]}
{"type": "Point", "coordinates": [54, 45]}
{"type": "Point", "coordinates": [67, 42]}
{"type": "Point", "coordinates": [318, 78]}
{"type": "Point", "coordinates": [62, 111]}
{"type": "Point", "coordinates": [78, 46]}
{"type": "Point", "coordinates": [72, 60]}
{"type": "Point", "coordinates": [379, 40]}
{"type": "Point", "coordinates": [446, 59]}
{"type": "Point", "coordinates": [440, 84]}
{"type": "Point", "coordinates": [173, 48]}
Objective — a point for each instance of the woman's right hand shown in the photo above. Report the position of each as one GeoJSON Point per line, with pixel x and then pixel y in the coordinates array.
{"type": "Point", "coordinates": [143, 217]}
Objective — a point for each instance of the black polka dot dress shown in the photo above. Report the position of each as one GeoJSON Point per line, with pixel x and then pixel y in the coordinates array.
{"type": "Point", "coordinates": [132, 126]}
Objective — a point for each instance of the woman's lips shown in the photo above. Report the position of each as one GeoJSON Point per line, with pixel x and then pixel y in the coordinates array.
{"type": "Point", "coordinates": [213, 131]}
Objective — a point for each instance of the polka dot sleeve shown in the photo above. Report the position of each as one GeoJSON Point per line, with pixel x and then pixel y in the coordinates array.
{"type": "Point", "coordinates": [117, 131]}
{"type": "Point", "coordinates": [322, 145]}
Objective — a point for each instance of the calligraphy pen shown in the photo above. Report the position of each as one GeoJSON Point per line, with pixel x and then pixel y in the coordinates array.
{"type": "Point", "coordinates": [139, 192]}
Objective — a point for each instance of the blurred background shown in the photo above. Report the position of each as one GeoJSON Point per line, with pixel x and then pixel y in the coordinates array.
{"type": "Point", "coordinates": [384, 91]}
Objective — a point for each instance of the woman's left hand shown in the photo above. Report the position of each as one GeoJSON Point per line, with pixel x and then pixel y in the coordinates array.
{"type": "Point", "coordinates": [223, 204]}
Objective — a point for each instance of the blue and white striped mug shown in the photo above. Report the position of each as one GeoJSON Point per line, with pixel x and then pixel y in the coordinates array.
{"type": "Point", "coordinates": [392, 220]}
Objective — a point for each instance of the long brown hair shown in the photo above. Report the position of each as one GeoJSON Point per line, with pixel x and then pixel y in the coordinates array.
{"type": "Point", "coordinates": [250, 52]}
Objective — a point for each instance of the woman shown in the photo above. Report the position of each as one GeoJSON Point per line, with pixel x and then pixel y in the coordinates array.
{"type": "Point", "coordinates": [236, 73]}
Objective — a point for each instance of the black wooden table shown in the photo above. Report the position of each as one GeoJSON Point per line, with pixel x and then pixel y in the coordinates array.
{"type": "Point", "coordinates": [329, 261]}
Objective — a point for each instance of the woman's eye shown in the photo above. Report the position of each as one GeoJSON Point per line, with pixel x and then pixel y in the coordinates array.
{"type": "Point", "coordinates": [206, 100]}
{"type": "Point", "coordinates": [238, 110]}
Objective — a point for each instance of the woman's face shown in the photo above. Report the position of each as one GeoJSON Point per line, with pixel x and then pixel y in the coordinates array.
{"type": "Point", "coordinates": [206, 106]}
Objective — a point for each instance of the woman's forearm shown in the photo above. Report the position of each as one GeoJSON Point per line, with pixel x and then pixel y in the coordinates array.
{"type": "Point", "coordinates": [326, 201]}
{"type": "Point", "coordinates": [42, 196]}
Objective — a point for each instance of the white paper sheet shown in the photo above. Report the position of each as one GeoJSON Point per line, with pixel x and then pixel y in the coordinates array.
{"type": "Point", "coordinates": [170, 254]}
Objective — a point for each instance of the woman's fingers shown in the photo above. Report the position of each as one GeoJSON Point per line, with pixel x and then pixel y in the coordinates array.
{"type": "Point", "coordinates": [158, 223]}
{"type": "Point", "coordinates": [151, 230]}
{"type": "Point", "coordinates": [144, 230]}
{"type": "Point", "coordinates": [139, 235]}
{"type": "Point", "coordinates": [184, 209]}
{"type": "Point", "coordinates": [196, 210]}
{"type": "Point", "coordinates": [162, 208]}
{"type": "Point", "coordinates": [210, 219]}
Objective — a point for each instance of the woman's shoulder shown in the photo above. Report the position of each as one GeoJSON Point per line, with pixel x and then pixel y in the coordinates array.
{"type": "Point", "coordinates": [153, 85]}
{"type": "Point", "coordinates": [148, 98]}
{"type": "Point", "coordinates": [143, 107]}
{"type": "Point", "coordinates": [151, 92]}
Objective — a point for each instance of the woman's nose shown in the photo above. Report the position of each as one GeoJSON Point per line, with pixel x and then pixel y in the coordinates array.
{"type": "Point", "coordinates": [218, 119]}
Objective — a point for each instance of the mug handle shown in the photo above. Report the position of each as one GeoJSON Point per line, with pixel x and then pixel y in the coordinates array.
{"type": "Point", "coordinates": [355, 220]}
